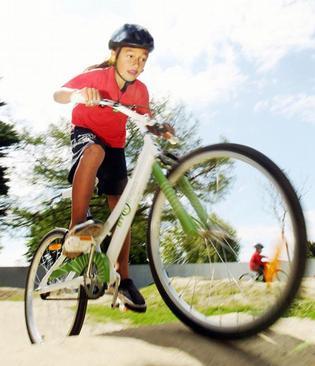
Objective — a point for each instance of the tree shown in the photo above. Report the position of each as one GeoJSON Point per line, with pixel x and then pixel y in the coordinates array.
{"type": "Point", "coordinates": [51, 155]}
{"type": "Point", "coordinates": [8, 137]}
{"type": "Point", "coordinates": [181, 249]}
{"type": "Point", "coordinates": [310, 249]}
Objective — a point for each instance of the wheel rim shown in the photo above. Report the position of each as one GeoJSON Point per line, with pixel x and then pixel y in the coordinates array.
{"type": "Point", "coordinates": [230, 309]}
{"type": "Point", "coordinates": [51, 315]}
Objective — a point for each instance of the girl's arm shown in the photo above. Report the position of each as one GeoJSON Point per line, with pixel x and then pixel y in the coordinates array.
{"type": "Point", "coordinates": [63, 95]}
{"type": "Point", "coordinates": [90, 95]}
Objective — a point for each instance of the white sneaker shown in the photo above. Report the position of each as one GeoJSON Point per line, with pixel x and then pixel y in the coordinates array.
{"type": "Point", "coordinates": [80, 238]}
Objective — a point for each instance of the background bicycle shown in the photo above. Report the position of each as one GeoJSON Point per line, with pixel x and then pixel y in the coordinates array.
{"type": "Point", "coordinates": [280, 275]}
{"type": "Point", "coordinates": [213, 200]}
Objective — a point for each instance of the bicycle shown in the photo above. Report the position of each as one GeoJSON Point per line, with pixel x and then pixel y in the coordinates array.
{"type": "Point", "coordinates": [202, 214]}
{"type": "Point", "coordinates": [280, 275]}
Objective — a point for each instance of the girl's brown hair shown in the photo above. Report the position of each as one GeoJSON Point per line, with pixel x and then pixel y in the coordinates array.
{"type": "Point", "coordinates": [102, 65]}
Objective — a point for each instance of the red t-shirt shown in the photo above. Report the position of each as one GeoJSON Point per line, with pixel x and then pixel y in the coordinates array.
{"type": "Point", "coordinates": [108, 125]}
{"type": "Point", "coordinates": [256, 261]}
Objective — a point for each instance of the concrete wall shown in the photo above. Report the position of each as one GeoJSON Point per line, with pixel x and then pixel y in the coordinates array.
{"type": "Point", "coordinates": [141, 274]}
{"type": "Point", "coordinates": [16, 276]}
{"type": "Point", "coordinates": [13, 276]}
{"type": "Point", "coordinates": [310, 268]}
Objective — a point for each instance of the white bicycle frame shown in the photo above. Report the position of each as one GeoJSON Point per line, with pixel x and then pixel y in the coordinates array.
{"type": "Point", "coordinates": [126, 207]}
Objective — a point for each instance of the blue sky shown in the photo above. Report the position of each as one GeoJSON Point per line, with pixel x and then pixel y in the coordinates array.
{"type": "Point", "coordinates": [245, 68]}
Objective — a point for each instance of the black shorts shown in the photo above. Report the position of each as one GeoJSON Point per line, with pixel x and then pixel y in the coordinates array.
{"type": "Point", "coordinates": [112, 174]}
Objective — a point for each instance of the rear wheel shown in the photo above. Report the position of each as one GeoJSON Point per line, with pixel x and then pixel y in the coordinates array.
{"type": "Point", "coordinates": [246, 199]}
{"type": "Point", "coordinates": [52, 314]}
{"type": "Point", "coordinates": [281, 275]}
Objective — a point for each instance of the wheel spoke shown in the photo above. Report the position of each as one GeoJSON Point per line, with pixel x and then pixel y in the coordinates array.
{"type": "Point", "coordinates": [56, 307]}
{"type": "Point", "coordinates": [244, 199]}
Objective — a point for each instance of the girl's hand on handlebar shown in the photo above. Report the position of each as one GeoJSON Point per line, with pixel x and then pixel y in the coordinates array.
{"type": "Point", "coordinates": [164, 130]}
{"type": "Point", "coordinates": [88, 96]}
{"type": "Point", "coordinates": [168, 131]}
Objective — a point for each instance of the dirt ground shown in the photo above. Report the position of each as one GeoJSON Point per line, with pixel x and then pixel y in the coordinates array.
{"type": "Point", "coordinates": [290, 342]}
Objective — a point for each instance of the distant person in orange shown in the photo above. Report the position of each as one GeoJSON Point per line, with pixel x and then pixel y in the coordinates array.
{"type": "Point", "coordinates": [256, 264]}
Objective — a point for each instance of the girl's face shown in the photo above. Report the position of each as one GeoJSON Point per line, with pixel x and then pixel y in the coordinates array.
{"type": "Point", "coordinates": [130, 62]}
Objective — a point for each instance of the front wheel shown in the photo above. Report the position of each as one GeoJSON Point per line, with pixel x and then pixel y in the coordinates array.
{"type": "Point", "coordinates": [52, 314]}
{"type": "Point", "coordinates": [246, 199]}
{"type": "Point", "coordinates": [247, 277]}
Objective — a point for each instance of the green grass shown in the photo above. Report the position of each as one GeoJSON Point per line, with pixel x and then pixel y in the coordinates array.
{"type": "Point", "coordinates": [221, 310]}
{"type": "Point", "coordinates": [157, 312]}
{"type": "Point", "coordinates": [302, 308]}
{"type": "Point", "coordinates": [11, 294]}
{"type": "Point", "coordinates": [16, 297]}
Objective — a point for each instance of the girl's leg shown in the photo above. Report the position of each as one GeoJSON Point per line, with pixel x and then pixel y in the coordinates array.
{"type": "Point", "coordinates": [122, 265]}
{"type": "Point", "coordinates": [84, 181]}
{"type": "Point", "coordinates": [128, 292]}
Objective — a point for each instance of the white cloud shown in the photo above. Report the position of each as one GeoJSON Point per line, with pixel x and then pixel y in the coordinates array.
{"type": "Point", "coordinates": [220, 33]}
{"type": "Point", "coordinates": [298, 106]}
{"type": "Point", "coordinates": [218, 82]}
{"type": "Point", "coordinates": [267, 30]}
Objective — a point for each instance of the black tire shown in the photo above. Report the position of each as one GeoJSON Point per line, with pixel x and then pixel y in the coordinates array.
{"type": "Point", "coordinates": [168, 254]}
{"type": "Point", "coordinates": [247, 277]}
{"type": "Point", "coordinates": [39, 309]}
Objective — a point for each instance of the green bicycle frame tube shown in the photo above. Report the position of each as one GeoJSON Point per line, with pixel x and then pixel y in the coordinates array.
{"type": "Point", "coordinates": [186, 188]}
{"type": "Point", "coordinates": [185, 219]}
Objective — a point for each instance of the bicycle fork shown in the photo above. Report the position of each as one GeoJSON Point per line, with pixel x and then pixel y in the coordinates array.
{"type": "Point", "coordinates": [188, 223]}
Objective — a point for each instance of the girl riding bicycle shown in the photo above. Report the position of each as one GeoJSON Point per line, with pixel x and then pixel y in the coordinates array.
{"type": "Point", "coordinates": [256, 263]}
{"type": "Point", "coordinates": [98, 138]}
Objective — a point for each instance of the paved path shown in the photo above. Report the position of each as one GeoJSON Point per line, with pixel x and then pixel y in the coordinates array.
{"type": "Point", "coordinates": [162, 345]}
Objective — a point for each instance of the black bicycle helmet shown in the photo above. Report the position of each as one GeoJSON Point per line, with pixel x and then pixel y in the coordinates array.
{"type": "Point", "coordinates": [132, 35]}
{"type": "Point", "coordinates": [258, 245]}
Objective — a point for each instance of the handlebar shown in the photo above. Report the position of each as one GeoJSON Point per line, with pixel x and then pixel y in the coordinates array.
{"type": "Point", "coordinates": [143, 120]}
